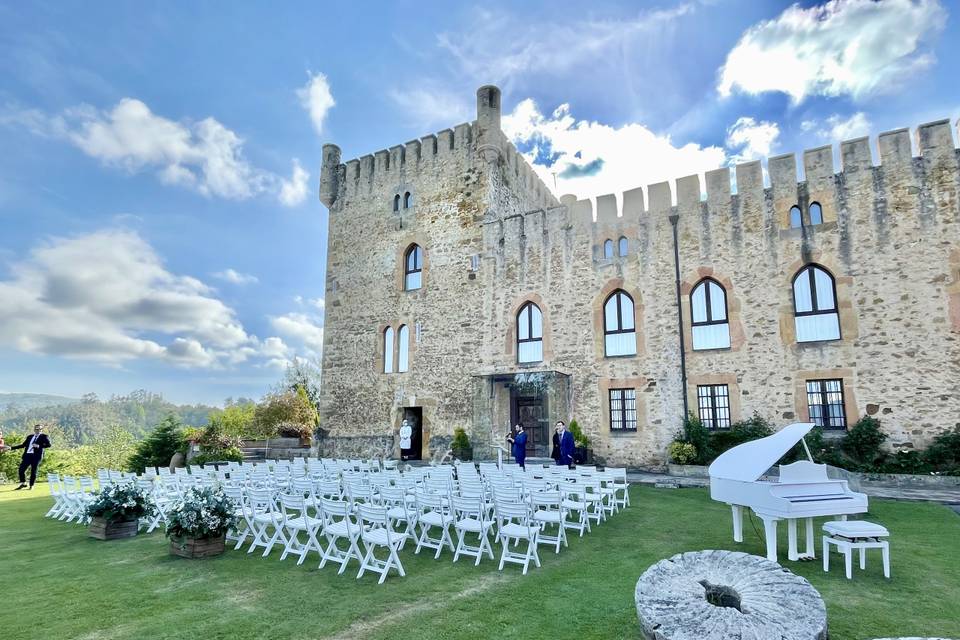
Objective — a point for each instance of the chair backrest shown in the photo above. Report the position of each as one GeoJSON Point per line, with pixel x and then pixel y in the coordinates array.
{"type": "Point", "coordinates": [328, 489]}
{"type": "Point", "coordinates": [429, 502]}
{"type": "Point", "coordinates": [516, 512]}
{"type": "Point", "coordinates": [374, 515]}
{"type": "Point", "coordinates": [546, 500]}
{"type": "Point", "coordinates": [86, 484]}
{"type": "Point", "coordinates": [235, 494]}
{"type": "Point", "coordinates": [261, 500]}
{"type": "Point", "coordinates": [467, 506]}
{"type": "Point", "coordinates": [332, 508]}
{"type": "Point", "coordinates": [292, 505]}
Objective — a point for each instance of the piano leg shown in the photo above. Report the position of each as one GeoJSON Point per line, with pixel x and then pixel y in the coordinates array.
{"type": "Point", "coordinates": [770, 532]}
{"type": "Point", "coordinates": [810, 552]}
{"type": "Point", "coordinates": [792, 554]}
{"type": "Point", "coordinates": [737, 522]}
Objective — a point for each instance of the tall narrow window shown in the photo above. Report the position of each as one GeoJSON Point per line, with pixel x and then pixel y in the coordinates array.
{"type": "Point", "coordinates": [622, 246]}
{"type": "Point", "coordinates": [529, 333]}
{"type": "Point", "coordinates": [825, 402]}
{"type": "Point", "coordinates": [796, 218]}
{"type": "Point", "coordinates": [608, 249]}
{"type": "Point", "coordinates": [412, 268]}
{"type": "Point", "coordinates": [713, 402]}
{"type": "Point", "coordinates": [708, 307]}
{"type": "Point", "coordinates": [623, 409]}
{"type": "Point", "coordinates": [407, 200]}
{"type": "Point", "coordinates": [816, 213]}
{"type": "Point", "coordinates": [619, 329]}
{"type": "Point", "coordinates": [403, 349]}
{"type": "Point", "coordinates": [396, 202]}
{"type": "Point", "coordinates": [388, 350]}
{"type": "Point", "coordinates": [815, 305]}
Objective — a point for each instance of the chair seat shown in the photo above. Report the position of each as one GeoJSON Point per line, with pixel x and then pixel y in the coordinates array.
{"type": "Point", "coordinates": [303, 524]}
{"type": "Point", "coordinates": [514, 530]}
{"type": "Point", "coordinates": [341, 529]}
{"type": "Point", "coordinates": [473, 525]}
{"type": "Point", "coordinates": [397, 513]}
{"type": "Point", "coordinates": [573, 504]}
{"type": "Point", "coordinates": [855, 529]}
{"type": "Point", "coordinates": [436, 519]}
{"type": "Point", "coordinates": [379, 536]}
{"type": "Point", "coordinates": [265, 517]}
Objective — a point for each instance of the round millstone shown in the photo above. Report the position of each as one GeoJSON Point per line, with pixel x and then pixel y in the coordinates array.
{"type": "Point", "coordinates": [727, 595]}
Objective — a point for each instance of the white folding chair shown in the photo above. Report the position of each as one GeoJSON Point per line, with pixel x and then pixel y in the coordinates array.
{"type": "Point", "coordinates": [375, 531]}
{"type": "Point", "coordinates": [338, 524]}
{"type": "Point", "coordinates": [470, 516]}
{"type": "Point", "coordinates": [296, 521]}
{"type": "Point", "coordinates": [399, 510]}
{"type": "Point", "coordinates": [621, 487]}
{"type": "Point", "coordinates": [548, 510]}
{"type": "Point", "coordinates": [433, 511]}
{"type": "Point", "coordinates": [243, 528]}
{"type": "Point", "coordinates": [264, 517]}
{"type": "Point", "coordinates": [573, 502]}
{"type": "Point", "coordinates": [57, 493]}
{"type": "Point", "coordinates": [516, 523]}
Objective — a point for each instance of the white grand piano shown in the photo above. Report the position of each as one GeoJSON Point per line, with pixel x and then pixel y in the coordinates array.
{"type": "Point", "coordinates": [803, 490]}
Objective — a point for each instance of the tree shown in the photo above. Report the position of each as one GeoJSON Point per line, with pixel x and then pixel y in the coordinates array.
{"type": "Point", "coordinates": [157, 449]}
{"type": "Point", "coordinates": [288, 413]}
{"type": "Point", "coordinates": [302, 373]}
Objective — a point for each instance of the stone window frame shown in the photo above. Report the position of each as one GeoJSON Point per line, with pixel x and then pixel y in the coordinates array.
{"type": "Point", "coordinates": [809, 270]}
{"type": "Point", "coordinates": [846, 376]}
{"type": "Point", "coordinates": [604, 385]}
{"type": "Point", "coordinates": [401, 261]}
{"type": "Point", "coordinates": [708, 379]}
{"type": "Point", "coordinates": [624, 421]}
{"type": "Point", "coordinates": [734, 311]}
{"type": "Point", "coordinates": [379, 359]}
{"type": "Point", "coordinates": [416, 251]}
{"type": "Point", "coordinates": [530, 337]}
{"type": "Point", "coordinates": [599, 327]}
{"type": "Point", "coordinates": [510, 348]}
{"type": "Point", "coordinates": [952, 290]}
{"type": "Point", "coordinates": [843, 290]}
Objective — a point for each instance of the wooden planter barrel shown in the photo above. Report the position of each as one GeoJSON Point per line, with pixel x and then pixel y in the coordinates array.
{"type": "Point", "coordinates": [102, 529]}
{"type": "Point", "coordinates": [197, 547]}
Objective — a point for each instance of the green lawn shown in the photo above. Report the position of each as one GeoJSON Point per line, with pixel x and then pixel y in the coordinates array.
{"type": "Point", "coordinates": [78, 587]}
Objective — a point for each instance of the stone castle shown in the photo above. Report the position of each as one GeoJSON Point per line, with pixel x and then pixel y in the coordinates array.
{"type": "Point", "coordinates": [461, 292]}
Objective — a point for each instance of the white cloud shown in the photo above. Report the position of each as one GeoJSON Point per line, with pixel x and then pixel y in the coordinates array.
{"type": "Point", "coordinates": [204, 156]}
{"type": "Point", "coordinates": [294, 191]}
{"type": "Point", "coordinates": [235, 277]}
{"type": "Point", "coordinates": [591, 159]}
{"type": "Point", "coordinates": [842, 47]}
{"type": "Point", "coordinates": [316, 98]}
{"type": "Point", "coordinates": [429, 107]}
{"type": "Point", "coordinates": [499, 47]}
{"type": "Point", "coordinates": [304, 328]}
{"type": "Point", "coordinates": [106, 296]}
{"type": "Point", "coordinates": [751, 140]}
{"type": "Point", "coordinates": [837, 128]}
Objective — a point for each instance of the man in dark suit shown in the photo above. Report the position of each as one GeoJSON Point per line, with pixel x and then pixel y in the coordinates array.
{"type": "Point", "coordinates": [519, 448]}
{"type": "Point", "coordinates": [33, 447]}
{"type": "Point", "coordinates": [566, 445]}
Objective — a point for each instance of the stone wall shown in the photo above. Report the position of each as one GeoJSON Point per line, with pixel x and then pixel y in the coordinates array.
{"type": "Point", "coordinates": [890, 237]}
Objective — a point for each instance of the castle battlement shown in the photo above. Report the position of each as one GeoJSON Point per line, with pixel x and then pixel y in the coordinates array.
{"type": "Point", "coordinates": [387, 168]}
{"type": "Point", "coordinates": [747, 181]}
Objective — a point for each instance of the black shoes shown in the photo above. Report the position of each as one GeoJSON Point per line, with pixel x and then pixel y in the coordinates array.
{"type": "Point", "coordinates": [22, 486]}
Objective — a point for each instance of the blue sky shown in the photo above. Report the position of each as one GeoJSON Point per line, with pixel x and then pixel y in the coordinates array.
{"type": "Point", "coordinates": [158, 187]}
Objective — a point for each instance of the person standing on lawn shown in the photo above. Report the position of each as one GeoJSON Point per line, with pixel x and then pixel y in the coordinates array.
{"type": "Point", "coordinates": [555, 450]}
{"type": "Point", "coordinates": [33, 447]}
{"type": "Point", "coordinates": [519, 442]}
{"type": "Point", "coordinates": [566, 445]}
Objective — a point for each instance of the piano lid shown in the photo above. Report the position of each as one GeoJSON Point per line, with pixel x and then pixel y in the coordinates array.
{"type": "Point", "coordinates": [748, 461]}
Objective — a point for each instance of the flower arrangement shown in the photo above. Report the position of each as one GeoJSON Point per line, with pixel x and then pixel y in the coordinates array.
{"type": "Point", "coordinates": [201, 514]}
{"type": "Point", "coordinates": [121, 503]}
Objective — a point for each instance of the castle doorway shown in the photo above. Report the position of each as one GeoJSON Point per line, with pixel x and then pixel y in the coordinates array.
{"type": "Point", "coordinates": [531, 412]}
{"type": "Point", "coordinates": [413, 416]}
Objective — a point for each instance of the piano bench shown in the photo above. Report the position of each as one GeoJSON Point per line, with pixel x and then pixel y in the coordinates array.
{"type": "Point", "coordinates": [847, 535]}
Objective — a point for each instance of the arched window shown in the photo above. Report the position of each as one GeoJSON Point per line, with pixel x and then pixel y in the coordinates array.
{"type": "Point", "coordinates": [529, 333]}
{"type": "Point", "coordinates": [412, 268]}
{"type": "Point", "coordinates": [608, 249]}
{"type": "Point", "coordinates": [708, 308]}
{"type": "Point", "coordinates": [407, 200]}
{"type": "Point", "coordinates": [815, 305]}
{"type": "Point", "coordinates": [816, 213]}
{"type": "Point", "coordinates": [622, 246]}
{"type": "Point", "coordinates": [796, 218]}
{"type": "Point", "coordinates": [619, 328]}
{"type": "Point", "coordinates": [403, 349]}
{"type": "Point", "coordinates": [388, 350]}
{"type": "Point", "coordinates": [396, 202]}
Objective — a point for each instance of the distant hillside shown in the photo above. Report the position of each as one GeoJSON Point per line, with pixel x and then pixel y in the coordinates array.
{"type": "Point", "coordinates": [83, 421]}
{"type": "Point", "coordinates": [27, 401]}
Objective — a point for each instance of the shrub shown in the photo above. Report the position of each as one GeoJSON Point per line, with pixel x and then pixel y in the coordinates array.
{"type": "Point", "coordinates": [863, 444]}
{"type": "Point", "coordinates": [157, 448]}
{"type": "Point", "coordinates": [287, 413]}
{"type": "Point", "coordinates": [943, 454]}
{"type": "Point", "coordinates": [201, 513]}
{"type": "Point", "coordinates": [121, 502]}
{"type": "Point", "coordinates": [580, 439]}
{"type": "Point", "coordinates": [682, 452]}
{"type": "Point", "coordinates": [696, 434]}
{"type": "Point", "coordinates": [460, 439]}
{"type": "Point", "coordinates": [744, 431]}
{"type": "Point", "coordinates": [905, 461]}
{"type": "Point", "coordinates": [227, 454]}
